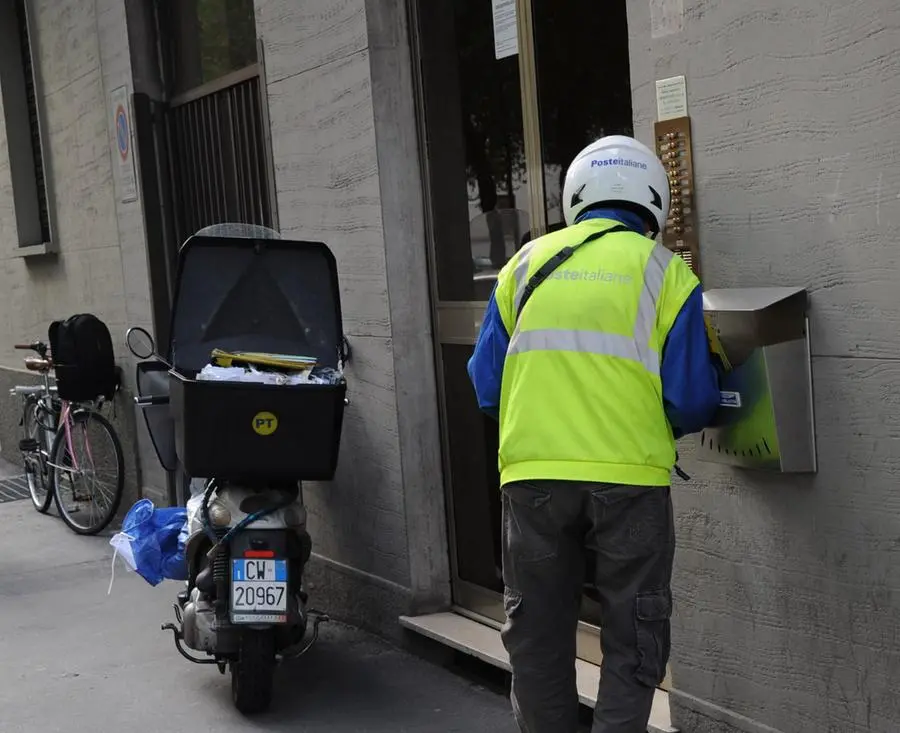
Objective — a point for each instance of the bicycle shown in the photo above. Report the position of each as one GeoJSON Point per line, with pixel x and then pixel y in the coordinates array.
{"type": "Point", "coordinates": [52, 464]}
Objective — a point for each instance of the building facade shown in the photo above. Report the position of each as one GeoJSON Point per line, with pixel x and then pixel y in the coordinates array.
{"type": "Point", "coordinates": [424, 142]}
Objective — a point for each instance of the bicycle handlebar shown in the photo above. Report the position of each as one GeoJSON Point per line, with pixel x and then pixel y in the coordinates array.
{"type": "Point", "coordinates": [38, 346]}
{"type": "Point", "coordinates": [151, 401]}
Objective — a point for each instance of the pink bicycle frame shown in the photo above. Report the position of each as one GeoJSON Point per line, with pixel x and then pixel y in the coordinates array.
{"type": "Point", "coordinates": [65, 418]}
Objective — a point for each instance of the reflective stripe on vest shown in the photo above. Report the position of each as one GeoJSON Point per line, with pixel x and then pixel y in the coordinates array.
{"type": "Point", "coordinates": [635, 347]}
{"type": "Point", "coordinates": [520, 274]}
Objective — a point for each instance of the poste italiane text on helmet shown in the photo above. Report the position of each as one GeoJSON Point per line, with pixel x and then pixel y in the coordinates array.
{"type": "Point", "coordinates": [618, 172]}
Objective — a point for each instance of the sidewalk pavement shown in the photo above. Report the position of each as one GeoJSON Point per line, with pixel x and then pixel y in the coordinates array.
{"type": "Point", "coordinates": [75, 660]}
{"type": "Point", "coordinates": [8, 470]}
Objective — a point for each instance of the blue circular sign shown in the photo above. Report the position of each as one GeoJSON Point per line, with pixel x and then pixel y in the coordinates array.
{"type": "Point", "coordinates": [122, 131]}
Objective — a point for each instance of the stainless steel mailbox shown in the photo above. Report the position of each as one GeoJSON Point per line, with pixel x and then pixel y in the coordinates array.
{"type": "Point", "coordinates": [765, 419]}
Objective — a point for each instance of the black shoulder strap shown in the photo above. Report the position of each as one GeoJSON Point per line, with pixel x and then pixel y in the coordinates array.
{"type": "Point", "coordinates": [547, 269]}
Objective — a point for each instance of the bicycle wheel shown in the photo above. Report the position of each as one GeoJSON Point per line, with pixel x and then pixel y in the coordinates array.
{"type": "Point", "coordinates": [88, 477]}
{"type": "Point", "coordinates": [34, 461]}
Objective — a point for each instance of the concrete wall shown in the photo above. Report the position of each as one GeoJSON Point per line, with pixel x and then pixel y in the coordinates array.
{"type": "Point", "coordinates": [81, 53]}
{"type": "Point", "coordinates": [788, 589]}
{"type": "Point", "coordinates": [344, 142]}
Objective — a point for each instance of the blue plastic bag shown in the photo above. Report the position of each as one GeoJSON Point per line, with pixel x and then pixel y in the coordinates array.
{"type": "Point", "coordinates": [151, 538]}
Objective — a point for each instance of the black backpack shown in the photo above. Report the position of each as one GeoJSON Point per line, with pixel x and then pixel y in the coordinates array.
{"type": "Point", "coordinates": [83, 359]}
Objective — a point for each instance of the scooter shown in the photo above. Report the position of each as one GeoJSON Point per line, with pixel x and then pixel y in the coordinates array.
{"type": "Point", "coordinates": [244, 604]}
{"type": "Point", "coordinates": [246, 541]}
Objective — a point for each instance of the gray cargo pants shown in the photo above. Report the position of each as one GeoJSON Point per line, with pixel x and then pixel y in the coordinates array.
{"type": "Point", "coordinates": [548, 528]}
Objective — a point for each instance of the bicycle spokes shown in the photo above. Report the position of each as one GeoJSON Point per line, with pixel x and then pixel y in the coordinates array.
{"type": "Point", "coordinates": [34, 457]}
{"type": "Point", "coordinates": [88, 473]}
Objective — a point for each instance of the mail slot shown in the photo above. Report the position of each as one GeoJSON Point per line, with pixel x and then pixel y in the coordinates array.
{"type": "Point", "coordinates": [765, 418]}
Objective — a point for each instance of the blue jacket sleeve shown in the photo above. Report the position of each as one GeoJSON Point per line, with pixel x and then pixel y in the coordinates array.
{"type": "Point", "coordinates": [690, 381]}
{"type": "Point", "coordinates": [486, 365]}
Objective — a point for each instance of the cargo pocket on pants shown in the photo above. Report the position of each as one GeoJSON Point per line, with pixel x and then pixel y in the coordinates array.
{"type": "Point", "coordinates": [652, 613]}
{"type": "Point", "coordinates": [512, 602]}
{"type": "Point", "coordinates": [512, 630]}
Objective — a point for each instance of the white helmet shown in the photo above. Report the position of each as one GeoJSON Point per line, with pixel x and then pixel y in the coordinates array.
{"type": "Point", "coordinates": [620, 172]}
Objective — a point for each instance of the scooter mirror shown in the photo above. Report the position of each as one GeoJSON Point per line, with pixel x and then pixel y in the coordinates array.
{"type": "Point", "coordinates": [140, 343]}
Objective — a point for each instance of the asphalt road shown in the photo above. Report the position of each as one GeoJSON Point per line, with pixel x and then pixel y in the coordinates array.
{"type": "Point", "coordinates": [74, 659]}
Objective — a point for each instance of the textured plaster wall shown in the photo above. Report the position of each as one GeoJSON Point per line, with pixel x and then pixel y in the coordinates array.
{"type": "Point", "coordinates": [344, 146]}
{"type": "Point", "coordinates": [81, 53]}
{"type": "Point", "coordinates": [788, 589]}
{"type": "Point", "coordinates": [87, 274]}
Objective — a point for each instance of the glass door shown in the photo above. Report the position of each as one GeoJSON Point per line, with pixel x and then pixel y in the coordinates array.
{"type": "Point", "coordinates": [510, 90]}
{"type": "Point", "coordinates": [479, 197]}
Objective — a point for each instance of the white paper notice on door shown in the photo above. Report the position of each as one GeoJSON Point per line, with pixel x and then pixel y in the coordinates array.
{"type": "Point", "coordinates": [506, 29]}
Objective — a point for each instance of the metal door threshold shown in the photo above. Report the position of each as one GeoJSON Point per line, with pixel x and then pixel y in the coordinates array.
{"type": "Point", "coordinates": [483, 642]}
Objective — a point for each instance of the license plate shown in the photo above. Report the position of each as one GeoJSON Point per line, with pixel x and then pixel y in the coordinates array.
{"type": "Point", "coordinates": [258, 590]}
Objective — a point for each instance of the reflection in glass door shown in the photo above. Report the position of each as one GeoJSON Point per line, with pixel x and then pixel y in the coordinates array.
{"type": "Point", "coordinates": [583, 85]}
{"type": "Point", "coordinates": [498, 137]}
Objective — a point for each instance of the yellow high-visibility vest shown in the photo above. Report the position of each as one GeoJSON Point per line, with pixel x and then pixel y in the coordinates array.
{"type": "Point", "coordinates": [581, 396]}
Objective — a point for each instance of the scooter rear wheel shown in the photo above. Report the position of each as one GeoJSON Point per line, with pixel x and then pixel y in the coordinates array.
{"type": "Point", "coordinates": [253, 672]}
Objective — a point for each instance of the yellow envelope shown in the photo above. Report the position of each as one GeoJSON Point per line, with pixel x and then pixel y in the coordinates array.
{"type": "Point", "coordinates": [715, 345]}
{"type": "Point", "coordinates": [280, 361]}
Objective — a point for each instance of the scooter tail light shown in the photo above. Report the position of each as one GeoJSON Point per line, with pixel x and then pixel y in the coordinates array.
{"type": "Point", "coordinates": [259, 554]}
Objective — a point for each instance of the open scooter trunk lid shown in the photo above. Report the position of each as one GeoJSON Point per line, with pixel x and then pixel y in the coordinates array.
{"type": "Point", "coordinates": [260, 295]}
